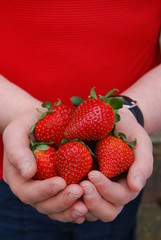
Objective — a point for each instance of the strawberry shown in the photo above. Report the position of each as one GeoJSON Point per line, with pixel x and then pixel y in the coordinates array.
{"type": "Point", "coordinates": [93, 119]}
{"type": "Point", "coordinates": [114, 155]}
{"type": "Point", "coordinates": [45, 159]}
{"type": "Point", "coordinates": [53, 122]}
{"type": "Point", "coordinates": [73, 161]}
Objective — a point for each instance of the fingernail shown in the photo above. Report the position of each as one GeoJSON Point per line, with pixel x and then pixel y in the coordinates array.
{"type": "Point", "coordinates": [138, 182]}
{"type": "Point", "coordinates": [79, 217]}
{"type": "Point", "coordinates": [94, 179]}
{"type": "Point", "coordinates": [25, 167]}
{"type": "Point", "coordinates": [57, 187]}
{"type": "Point", "coordinates": [80, 220]}
{"type": "Point", "coordinates": [73, 196]}
{"type": "Point", "coordinates": [76, 214]}
{"type": "Point", "coordinates": [87, 190]}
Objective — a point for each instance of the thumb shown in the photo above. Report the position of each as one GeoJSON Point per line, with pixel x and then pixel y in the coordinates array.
{"type": "Point", "coordinates": [142, 166]}
{"type": "Point", "coordinates": [16, 147]}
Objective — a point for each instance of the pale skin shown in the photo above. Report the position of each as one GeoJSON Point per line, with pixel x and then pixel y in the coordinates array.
{"type": "Point", "coordinates": [98, 197]}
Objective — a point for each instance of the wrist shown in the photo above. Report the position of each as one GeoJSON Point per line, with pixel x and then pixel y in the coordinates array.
{"type": "Point", "coordinates": [132, 106]}
{"type": "Point", "coordinates": [14, 102]}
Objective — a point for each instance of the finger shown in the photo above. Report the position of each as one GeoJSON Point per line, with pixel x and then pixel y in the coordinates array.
{"type": "Point", "coordinates": [118, 193]}
{"type": "Point", "coordinates": [16, 144]}
{"type": "Point", "coordinates": [142, 167]}
{"type": "Point", "coordinates": [32, 191]}
{"type": "Point", "coordinates": [74, 214]}
{"type": "Point", "coordinates": [99, 207]}
{"type": "Point", "coordinates": [90, 217]}
{"type": "Point", "coordinates": [61, 201]}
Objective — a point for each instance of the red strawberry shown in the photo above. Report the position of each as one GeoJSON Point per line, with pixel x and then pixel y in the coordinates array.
{"type": "Point", "coordinates": [74, 161]}
{"type": "Point", "coordinates": [93, 120]}
{"type": "Point", "coordinates": [114, 156]}
{"type": "Point", "coordinates": [45, 159]}
{"type": "Point", "coordinates": [51, 127]}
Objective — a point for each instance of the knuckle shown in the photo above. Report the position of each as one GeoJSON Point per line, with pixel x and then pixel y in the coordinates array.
{"type": "Point", "coordinates": [109, 218]}
{"type": "Point", "coordinates": [93, 205]}
{"type": "Point", "coordinates": [68, 199]}
{"type": "Point", "coordinates": [121, 200]}
{"type": "Point", "coordinates": [23, 198]}
{"type": "Point", "coordinates": [46, 190]}
{"type": "Point", "coordinates": [91, 218]}
{"type": "Point", "coordinates": [40, 209]}
{"type": "Point", "coordinates": [63, 217]}
{"type": "Point", "coordinates": [63, 201]}
{"type": "Point", "coordinates": [21, 194]}
{"type": "Point", "coordinates": [111, 214]}
{"type": "Point", "coordinates": [52, 216]}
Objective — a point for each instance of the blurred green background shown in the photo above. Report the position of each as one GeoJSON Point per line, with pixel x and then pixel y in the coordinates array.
{"type": "Point", "coordinates": [149, 215]}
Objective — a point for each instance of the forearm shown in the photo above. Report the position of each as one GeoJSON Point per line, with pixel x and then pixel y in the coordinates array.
{"type": "Point", "coordinates": [13, 102]}
{"type": "Point", "coordinates": [147, 92]}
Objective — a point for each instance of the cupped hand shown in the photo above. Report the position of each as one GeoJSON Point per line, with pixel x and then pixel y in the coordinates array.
{"type": "Point", "coordinates": [106, 198]}
{"type": "Point", "coordinates": [52, 196]}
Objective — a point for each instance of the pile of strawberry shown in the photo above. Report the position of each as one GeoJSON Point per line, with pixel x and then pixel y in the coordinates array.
{"type": "Point", "coordinates": [72, 143]}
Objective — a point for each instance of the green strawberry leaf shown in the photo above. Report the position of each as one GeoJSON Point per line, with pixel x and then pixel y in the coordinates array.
{"type": "Point", "coordinates": [76, 100]}
{"type": "Point", "coordinates": [58, 103]}
{"type": "Point", "coordinates": [32, 129]}
{"type": "Point", "coordinates": [64, 141]}
{"type": "Point", "coordinates": [43, 114]}
{"type": "Point", "coordinates": [93, 93]}
{"type": "Point", "coordinates": [114, 132]}
{"type": "Point", "coordinates": [117, 117]}
{"type": "Point", "coordinates": [39, 145]}
{"type": "Point", "coordinates": [132, 144]}
{"type": "Point", "coordinates": [111, 92]}
{"type": "Point", "coordinates": [31, 142]}
{"type": "Point", "coordinates": [123, 136]}
{"type": "Point", "coordinates": [47, 105]}
{"type": "Point", "coordinates": [115, 102]}
{"type": "Point", "coordinates": [42, 147]}
{"type": "Point", "coordinates": [89, 149]}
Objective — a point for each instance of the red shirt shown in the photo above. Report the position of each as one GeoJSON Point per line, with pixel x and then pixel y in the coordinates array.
{"type": "Point", "coordinates": [57, 49]}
